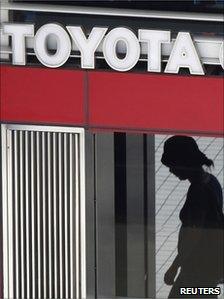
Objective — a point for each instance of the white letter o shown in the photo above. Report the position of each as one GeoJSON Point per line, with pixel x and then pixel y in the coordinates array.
{"type": "Point", "coordinates": [63, 45]}
{"type": "Point", "coordinates": [132, 46]}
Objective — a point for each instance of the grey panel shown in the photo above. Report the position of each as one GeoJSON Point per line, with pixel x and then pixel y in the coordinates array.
{"type": "Point", "coordinates": [90, 216]}
{"type": "Point", "coordinates": [73, 216]}
{"type": "Point", "coordinates": [50, 218]}
{"type": "Point", "coordinates": [21, 212]}
{"type": "Point", "coordinates": [135, 217]}
{"type": "Point", "coordinates": [16, 207]}
{"type": "Point", "coordinates": [125, 240]}
{"type": "Point", "coordinates": [10, 217]}
{"type": "Point", "coordinates": [105, 227]}
{"type": "Point", "coordinates": [150, 231]}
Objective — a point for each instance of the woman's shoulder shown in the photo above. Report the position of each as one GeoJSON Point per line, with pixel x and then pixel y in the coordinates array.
{"type": "Point", "coordinates": [206, 190]}
{"type": "Point", "coordinates": [213, 181]}
{"type": "Point", "coordinates": [209, 181]}
{"type": "Point", "coordinates": [213, 185]}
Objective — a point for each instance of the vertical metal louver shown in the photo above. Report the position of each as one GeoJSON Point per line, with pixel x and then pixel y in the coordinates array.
{"type": "Point", "coordinates": [43, 212]}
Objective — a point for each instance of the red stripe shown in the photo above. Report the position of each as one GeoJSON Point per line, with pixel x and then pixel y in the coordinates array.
{"type": "Point", "coordinates": [159, 102]}
{"type": "Point", "coordinates": [39, 95]}
{"type": "Point", "coordinates": [112, 100]}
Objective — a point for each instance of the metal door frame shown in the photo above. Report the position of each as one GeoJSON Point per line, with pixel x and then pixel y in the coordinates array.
{"type": "Point", "coordinates": [6, 187]}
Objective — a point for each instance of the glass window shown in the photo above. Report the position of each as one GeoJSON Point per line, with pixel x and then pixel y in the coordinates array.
{"type": "Point", "coordinates": [170, 197]}
{"type": "Point", "coordinates": [138, 207]}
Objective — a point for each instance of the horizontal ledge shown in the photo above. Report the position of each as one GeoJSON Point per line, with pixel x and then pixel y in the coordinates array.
{"type": "Point", "coordinates": [80, 129]}
{"type": "Point", "coordinates": [45, 128]}
{"type": "Point", "coordinates": [193, 16]}
{"type": "Point", "coordinates": [208, 49]}
{"type": "Point", "coordinates": [209, 61]}
{"type": "Point", "coordinates": [155, 131]}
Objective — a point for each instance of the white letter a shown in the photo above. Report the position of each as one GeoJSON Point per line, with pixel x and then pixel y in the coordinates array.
{"type": "Point", "coordinates": [184, 54]}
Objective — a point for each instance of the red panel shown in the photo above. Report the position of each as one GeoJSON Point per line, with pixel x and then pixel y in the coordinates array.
{"type": "Point", "coordinates": [156, 102]}
{"type": "Point", "coordinates": [41, 95]}
{"type": "Point", "coordinates": [121, 101]}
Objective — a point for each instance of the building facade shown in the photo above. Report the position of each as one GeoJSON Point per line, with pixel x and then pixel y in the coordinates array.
{"type": "Point", "coordinates": [90, 91]}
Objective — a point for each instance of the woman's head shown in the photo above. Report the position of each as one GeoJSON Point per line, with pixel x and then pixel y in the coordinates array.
{"type": "Point", "coordinates": [182, 155]}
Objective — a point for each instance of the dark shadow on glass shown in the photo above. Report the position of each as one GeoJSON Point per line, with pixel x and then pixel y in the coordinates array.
{"type": "Point", "coordinates": [200, 244]}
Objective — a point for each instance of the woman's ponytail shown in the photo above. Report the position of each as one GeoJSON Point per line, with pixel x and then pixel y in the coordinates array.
{"type": "Point", "coordinates": [206, 161]}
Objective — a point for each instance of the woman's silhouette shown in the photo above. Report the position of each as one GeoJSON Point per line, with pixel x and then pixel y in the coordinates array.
{"type": "Point", "coordinates": [200, 243]}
